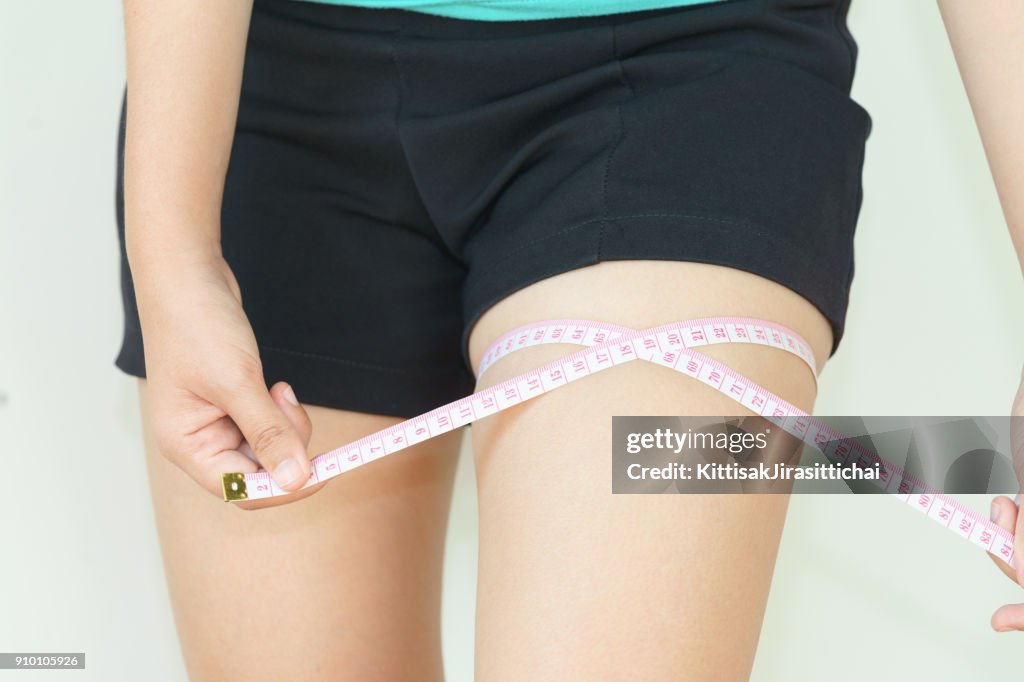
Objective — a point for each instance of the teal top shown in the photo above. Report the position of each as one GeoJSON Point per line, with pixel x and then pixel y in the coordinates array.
{"type": "Point", "coordinates": [519, 10]}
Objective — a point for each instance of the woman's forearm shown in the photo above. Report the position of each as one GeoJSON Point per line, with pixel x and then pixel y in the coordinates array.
{"type": "Point", "coordinates": [988, 40]}
{"type": "Point", "coordinates": [184, 61]}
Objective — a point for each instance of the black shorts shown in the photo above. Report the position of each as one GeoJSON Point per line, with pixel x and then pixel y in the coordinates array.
{"type": "Point", "coordinates": [394, 174]}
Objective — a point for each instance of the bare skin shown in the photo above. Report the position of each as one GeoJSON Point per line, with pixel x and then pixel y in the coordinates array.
{"type": "Point", "coordinates": [208, 393]}
{"type": "Point", "coordinates": [362, 558]}
{"type": "Point", "coordinates": [344, 585]}
{"type": "Point", "coordinates": [560, 597]}
{"type": "Point", "coordinates": [986, 38]}
{"type": "Point", "coordinates": [578, 584]}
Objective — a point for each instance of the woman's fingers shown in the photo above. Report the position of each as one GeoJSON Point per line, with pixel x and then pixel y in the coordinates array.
{"type": "Point", "coordinates": [1004, 515]}
{"type": "Point", "coordinates": [284, 396]}
{"type": "Point", "coordinates": [220, 447]}
{"type": "Point", "coordinates": [266, 424]}
{"type": "Point", "coordinates": [1018, 543]}
{"type": "Point", "coordinates": [1009, 617]}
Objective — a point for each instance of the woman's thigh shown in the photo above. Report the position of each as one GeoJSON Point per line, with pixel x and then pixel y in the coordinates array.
{"type": "Point", "coordinates": [342, 585]}
{"type": "Point", "coordinates": [576, 583]}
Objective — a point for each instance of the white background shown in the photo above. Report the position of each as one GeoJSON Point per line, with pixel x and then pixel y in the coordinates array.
{"type": "Point", "coordinates": [864, 588]}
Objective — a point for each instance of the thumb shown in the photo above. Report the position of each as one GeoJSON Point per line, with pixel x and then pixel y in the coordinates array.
{"type": "Point", "coordinates": [284, 396]}
{"type": "Point", "coordinates": [268, 428]}
{"type": "Point", "coordinates": [1005, 515]}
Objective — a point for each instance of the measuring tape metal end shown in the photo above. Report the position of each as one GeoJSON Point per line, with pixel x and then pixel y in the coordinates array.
{"type": "Point", "coordinates": [234, 487]}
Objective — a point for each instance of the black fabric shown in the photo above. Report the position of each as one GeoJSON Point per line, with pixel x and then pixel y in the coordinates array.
{"type": "Point", "coordinates": [394, 174]}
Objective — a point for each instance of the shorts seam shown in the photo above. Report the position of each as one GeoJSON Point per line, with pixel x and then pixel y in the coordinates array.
{"type": "Point", "coordinates": [351, 363]}
{"type": "Point", "coordinates": [623, 78]}
{"type": "Point", "coordinates": [604, 180]}
{"type": "Point", "coordinates": [620, 133]}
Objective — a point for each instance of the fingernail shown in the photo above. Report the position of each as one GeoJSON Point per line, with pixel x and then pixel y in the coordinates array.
{"type": "Point", "coordinates": [1016, 500]}
{"type": "Point", "coordinates": [995, 513]}
{"type": "Point", "coordinates": [287, 472]}
{"type": "Point", "coordinates": [289, 395]}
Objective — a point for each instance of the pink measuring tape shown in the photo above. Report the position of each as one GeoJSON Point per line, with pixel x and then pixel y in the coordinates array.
{"type": "Point", "coordinates": [671, 346]}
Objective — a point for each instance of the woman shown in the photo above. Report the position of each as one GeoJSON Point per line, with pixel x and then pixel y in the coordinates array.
{"type": "Point", "coordinates": [348, 204]}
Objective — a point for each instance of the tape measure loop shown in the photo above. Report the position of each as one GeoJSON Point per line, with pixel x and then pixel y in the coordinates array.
{"type": "Point", "coordinates": [607, 345]}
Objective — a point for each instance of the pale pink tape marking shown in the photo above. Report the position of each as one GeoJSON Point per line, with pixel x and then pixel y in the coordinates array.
{"type": "Point", "coordinates": [610, 345]}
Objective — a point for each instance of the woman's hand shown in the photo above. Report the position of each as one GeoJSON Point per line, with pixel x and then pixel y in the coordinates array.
{"type": "Point", "coordinates": [208, 399]}
{"type": "Point", "coordinates": [207, 395]}
{"type": "Point", "coordinates": [1006, 514]}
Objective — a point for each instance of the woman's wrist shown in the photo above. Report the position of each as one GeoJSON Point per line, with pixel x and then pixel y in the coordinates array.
{"type": "Point", "coordinates": [160, 269]}
{"type": "Point", "coordinates": [169, 224]}
{"type": "Point", "coordinates": [158, 250]}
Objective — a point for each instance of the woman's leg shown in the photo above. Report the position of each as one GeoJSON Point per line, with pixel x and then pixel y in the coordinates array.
{"type": "Point", "coordinates": [343, 585]}
{"type": "Point", "coordinates": [576, 583]}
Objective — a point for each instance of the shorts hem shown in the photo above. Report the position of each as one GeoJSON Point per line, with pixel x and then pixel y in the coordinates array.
{"type": "Point", "coordinates": [684, 237]}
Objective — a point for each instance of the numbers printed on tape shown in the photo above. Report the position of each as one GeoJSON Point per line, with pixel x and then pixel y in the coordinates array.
{"type": "Point", "coordinates": [671, 345]}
